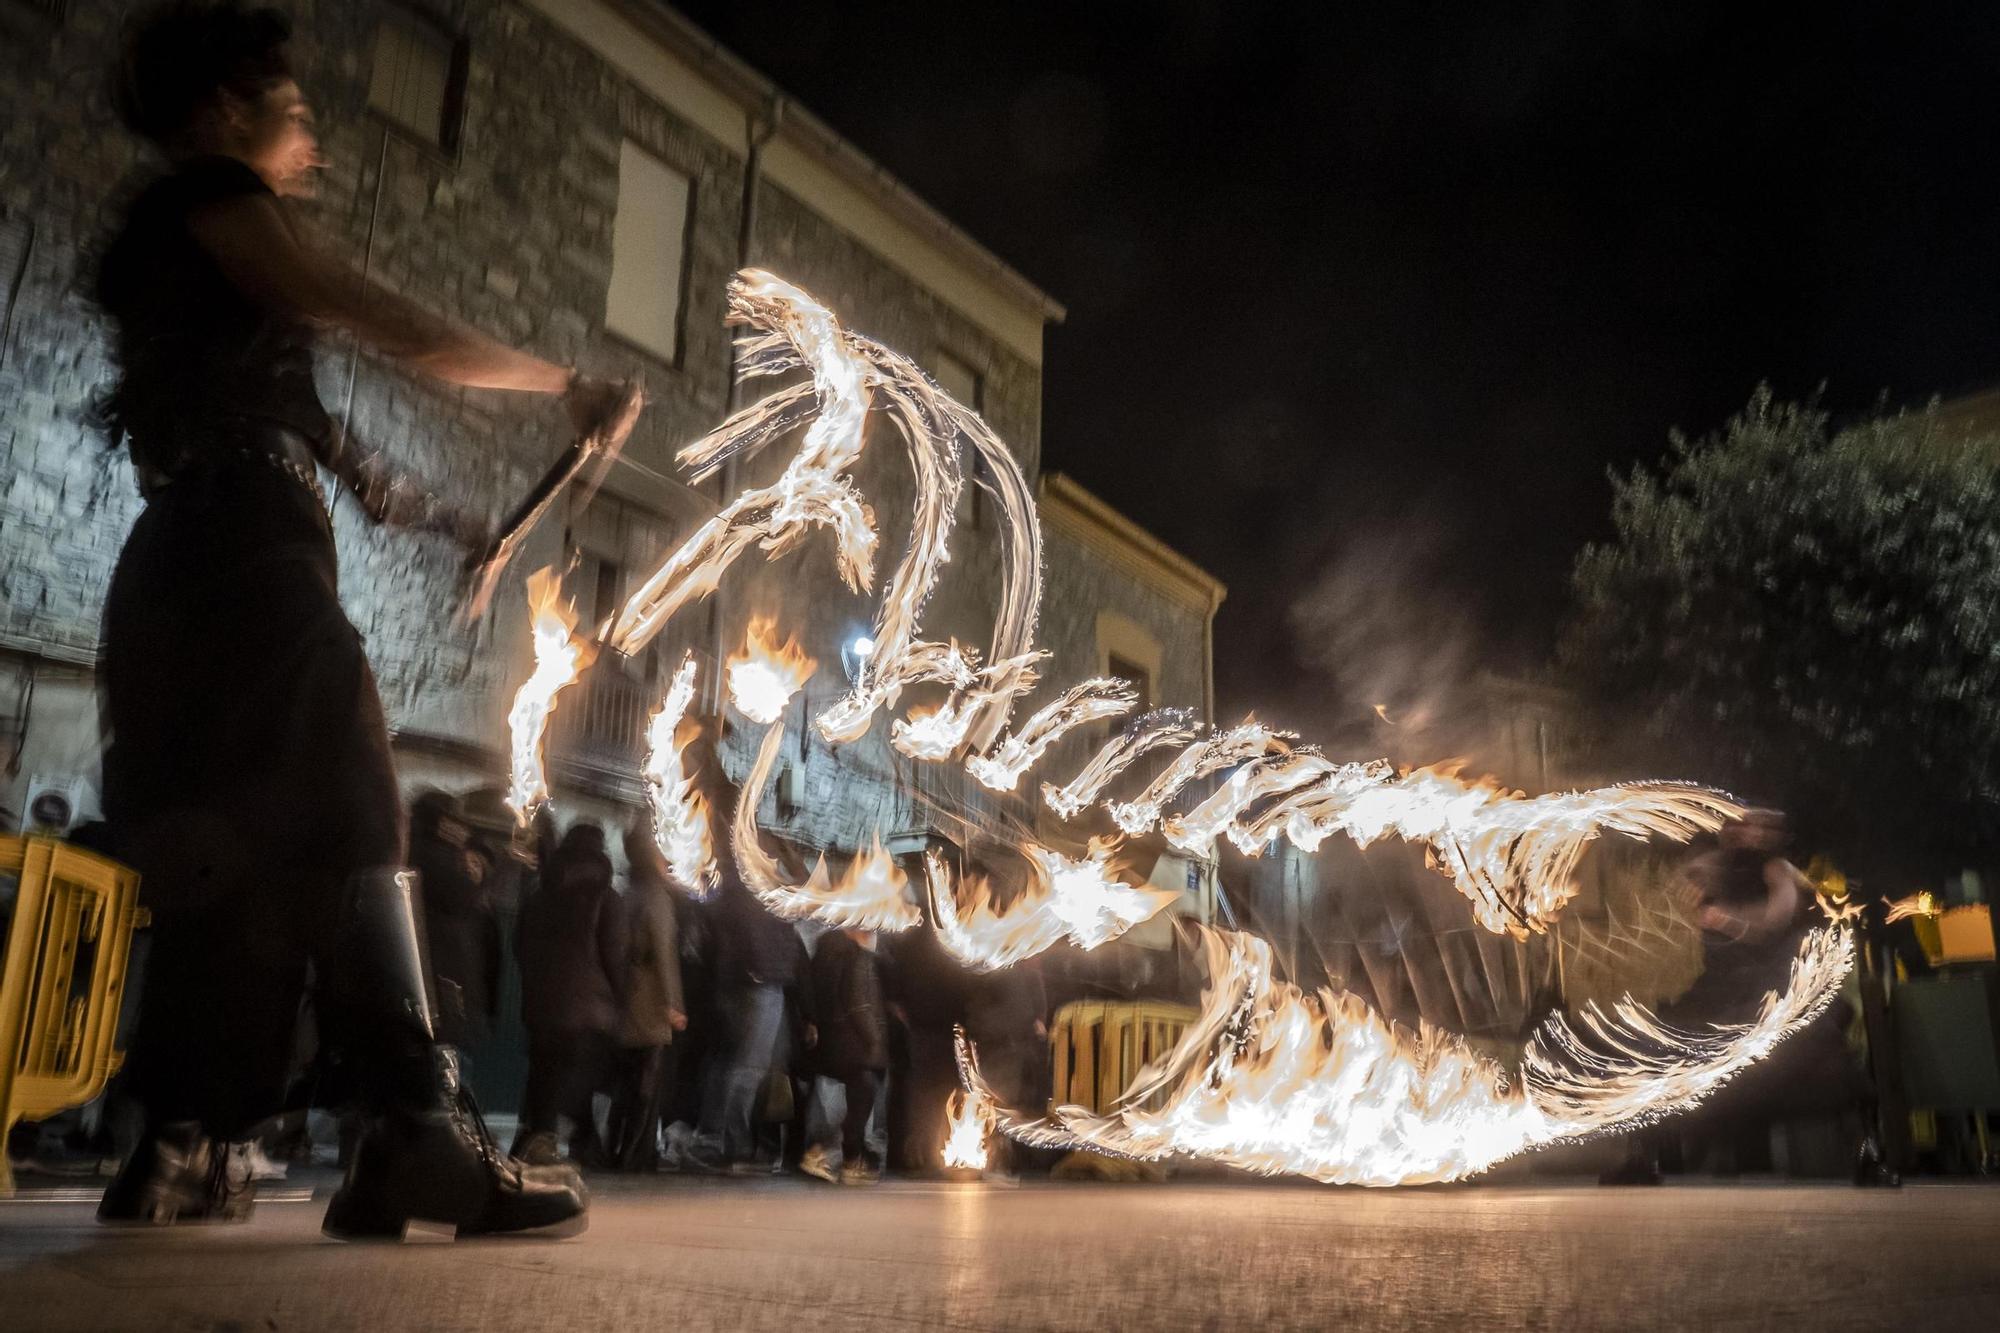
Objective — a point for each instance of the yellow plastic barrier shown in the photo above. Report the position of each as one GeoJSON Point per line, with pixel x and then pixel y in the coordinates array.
{"type": "Point", "coordinates": [58, 1026]}
{"type": "Point", "coordinates": [1098, 1046]}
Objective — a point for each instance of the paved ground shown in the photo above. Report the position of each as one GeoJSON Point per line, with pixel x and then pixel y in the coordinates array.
{"type": "Point", "coordinates": [731, 1254]}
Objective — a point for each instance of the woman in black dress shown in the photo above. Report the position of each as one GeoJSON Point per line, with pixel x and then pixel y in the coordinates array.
{"type": "Point", "coordinates": [249, 776]}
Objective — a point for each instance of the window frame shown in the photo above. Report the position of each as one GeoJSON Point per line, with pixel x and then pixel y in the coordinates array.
{"type": "Point", "coordinates": [678, 361]}
{"type": "Point", "coordinates": [449, 143]}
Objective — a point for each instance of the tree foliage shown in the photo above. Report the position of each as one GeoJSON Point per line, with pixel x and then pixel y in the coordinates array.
{"type": "Point", "coordinates": [1812, 617]}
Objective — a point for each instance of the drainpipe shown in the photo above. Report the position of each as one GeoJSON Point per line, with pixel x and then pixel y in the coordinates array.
{"type": "Point", "coordinates": [758, 130]}
{"type": "Point", "coordinates": [1208, 660]}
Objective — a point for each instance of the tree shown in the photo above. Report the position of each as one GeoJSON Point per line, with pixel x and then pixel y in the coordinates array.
{"type": "Point", "coordinates": [1812, 617]}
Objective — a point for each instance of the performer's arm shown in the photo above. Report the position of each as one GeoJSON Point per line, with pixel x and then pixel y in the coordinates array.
{"type": "Point", "coordinates": [261, 250]}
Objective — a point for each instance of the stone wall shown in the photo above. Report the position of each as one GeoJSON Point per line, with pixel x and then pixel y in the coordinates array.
{"type": "Point", "coordinates": [513, 235]}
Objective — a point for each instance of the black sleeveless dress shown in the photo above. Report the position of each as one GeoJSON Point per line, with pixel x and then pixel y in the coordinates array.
{"type": "Point", "coordinates": [248, 772]}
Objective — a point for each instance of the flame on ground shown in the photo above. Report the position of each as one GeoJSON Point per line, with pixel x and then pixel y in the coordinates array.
{"type": "Point", "coordinates": [1274, 1079]}
{"type": "Point", "coordinates": [968, 1124]}
{"type": "Point", "coordinates": [559, 657]}
{"type": "Point", "coordinates": [680, 815]}
{"type": "Point", "coordinates": [1074, 899]}
{"type": "Point", "coordinates": [765, 675]}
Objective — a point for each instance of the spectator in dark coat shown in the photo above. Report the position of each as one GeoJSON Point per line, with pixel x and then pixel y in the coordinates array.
{"type": "Point", "coordinates": [1006, 1017]}
{"type": "Point", "coordinates": [655, 1008]}
{"type": "Point", "coordinates": [757, 980]}
{"type": "Point", "coordinates": [574, 952]}
{"type": "Point", "coordinates": [459, 922]}
{"type": "Point", "coordinates": [852, 1018]}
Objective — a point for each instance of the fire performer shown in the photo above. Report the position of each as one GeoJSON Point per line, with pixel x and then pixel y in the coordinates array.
{"type": "Point", "coordinates": [249, 776]}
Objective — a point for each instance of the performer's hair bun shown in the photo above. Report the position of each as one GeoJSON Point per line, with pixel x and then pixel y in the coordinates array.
{"type": "Point", "coordinates": [179, 55]}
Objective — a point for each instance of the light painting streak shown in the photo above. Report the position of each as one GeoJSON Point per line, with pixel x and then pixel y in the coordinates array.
{"type": "Point", "coordinates": [1514, 858]}
{"type": "Point", "coordinates": [1222, 750]}
{"type": "Point", "coordinates": [1099, 697]}
{"type": "Point", "coordinates": [559, 656]}
{"type": "Point", "coordinates": [813, 490]}
{"type": "Point", "coordinates": [1274, 775]}
{"type": "Point", "coordinates": [1074, 899]}
{"type": "Point", "coordinates": [1272, 1079]}
{"type": "Point", "coordinates": [680, 815]}
{"type": "Point", "coordinates": [1161, 727]}
{"type": "Point", "coordinates": [1922, 903]}
{"type": "Point", "coordinates": [872, 895]}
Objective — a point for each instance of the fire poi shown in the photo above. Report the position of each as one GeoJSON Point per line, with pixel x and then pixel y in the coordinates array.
{"type": "Point", "coordinates": [1269, 1078]}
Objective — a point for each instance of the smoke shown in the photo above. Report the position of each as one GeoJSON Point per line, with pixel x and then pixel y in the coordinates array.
{"type": "Point", "coordinates": [1400, 658]}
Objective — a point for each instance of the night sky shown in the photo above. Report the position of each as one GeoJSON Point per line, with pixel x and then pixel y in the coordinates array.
{"type": "Point", "coordinates": [1364, 300]}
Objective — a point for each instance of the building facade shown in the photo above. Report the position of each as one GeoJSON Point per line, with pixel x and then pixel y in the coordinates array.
{"type": "Point", "coordinates": [579, 177]}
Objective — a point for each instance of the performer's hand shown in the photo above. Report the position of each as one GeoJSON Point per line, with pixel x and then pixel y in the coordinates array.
{"type": "Point", "coordinates": [603, 408]}
{"type": "Point", "coordinates": [677, 1020]}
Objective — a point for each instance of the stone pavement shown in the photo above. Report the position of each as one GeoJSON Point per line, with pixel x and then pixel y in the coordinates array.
{"type": "Point", "coordinates": [731, 1254]}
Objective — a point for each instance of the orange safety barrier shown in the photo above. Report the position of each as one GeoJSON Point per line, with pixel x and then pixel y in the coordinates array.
{"type": "Point", "coordinates": [1098, 1046]}
{"type": "Point", "coordinates": [62, 978]}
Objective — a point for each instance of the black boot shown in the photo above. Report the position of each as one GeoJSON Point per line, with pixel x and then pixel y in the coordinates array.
{"type": "Point", "coordinates": [424, 1154]}
{"type": "Point", "coordinates": [178, 1174]}
{"type": "Point", "coordinates": [1870, 1171]}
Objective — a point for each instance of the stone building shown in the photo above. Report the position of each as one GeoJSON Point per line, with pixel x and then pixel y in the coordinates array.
{"type": "Point", "coordinates": [579, 177]}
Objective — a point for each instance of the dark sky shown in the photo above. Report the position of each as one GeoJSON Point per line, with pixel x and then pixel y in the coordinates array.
{"type": "Point", "coordinates": [1364, 299]}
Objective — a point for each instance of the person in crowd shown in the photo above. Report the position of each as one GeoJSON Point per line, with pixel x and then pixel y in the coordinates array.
{"type": "Point", "coordinates": [752, 975]}
{"type": "Point", "coordinates": [929, 987]}
{"type": "Point", "coordinates": [249, 776]}
{"type": "Point", "coordinates": [695, 1048]}
{"type": "Point", "coordinates": [757, 988]}
{"type": "Point", "coordinates": [1006, 1017]}
{"type": "Point", "coordinates": [851, 1009]}
{"type": "Point", "coordinates": [1752, 906]}
{"type": "Point", "coordinates": [655, 1007]}
{"type": "Point", "coordinates": [462, 928]}
{"type": "Point", "coordinates": [573, 943]}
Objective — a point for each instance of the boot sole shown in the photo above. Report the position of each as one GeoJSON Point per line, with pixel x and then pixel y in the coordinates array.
{"type": "Point", "coordinates": [157, 1222]}
{"type": "Point", "coordinates": [416, 1230]}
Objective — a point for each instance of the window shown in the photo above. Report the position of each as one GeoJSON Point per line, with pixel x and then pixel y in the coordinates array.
{"type": "Point", "coordinates": [648, 253]}
{"type": "Point", "coordinates": [1127, 649]}
{"type": "Point", "coordinates": [1142, 680]}
{"type": "Point", "coordinates": [418, 79]}
{"type": "Point", "coordinates": [957, 378]}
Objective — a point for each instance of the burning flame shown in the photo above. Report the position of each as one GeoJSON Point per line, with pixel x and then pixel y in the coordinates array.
{"type": "Point", "coordinates": [680, 815]}
{"type": "Point", "coordinates": [1162, 726]}
{"type": "Point", "coordinates": [559, 657]}
{"type": "Point", "coordinates": [969, 1121]}
{"type": "Point", "coordinates": [1922, 903]}
{"type": "Point", "coordinates": [813, 491]}
{"type": "Point", "coordinates": [1513, 857]}
{"type": "Point", "coordinates": [1272, 1079]}
{"type": "Point", "coordinates": [1217, 752]}
{"type": "Point", "coordinates": [764, 676]}
{"type": "Point", "coordinates": [1069, 899]}
{"type": "Point", "coordinates": [1102, 696]}
{"type": "Point", "coordinates": [872, 895]}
